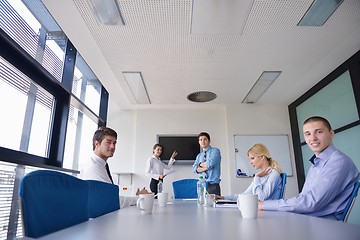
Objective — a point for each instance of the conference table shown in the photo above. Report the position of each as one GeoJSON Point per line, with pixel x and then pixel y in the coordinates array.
{"type": "Point", "coordinates": [185, 220]}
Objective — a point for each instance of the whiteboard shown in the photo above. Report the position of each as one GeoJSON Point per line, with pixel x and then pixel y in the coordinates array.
{"type": "Point", "coordinates": [278, 146]}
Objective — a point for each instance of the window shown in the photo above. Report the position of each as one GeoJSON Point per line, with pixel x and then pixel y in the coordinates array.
{"type": "Point", "coordinates": [336, 102]}
{"type": "Point", "coordinates": [28, 112]}
{"type": "Point", "coordinates": [86, 86]}
{"type": "Point", "coordinates": [79, 136]}
{"type": "Point", "coordinates": [48, 113]}
{"type": "Point", "coordinates": [44, 41]}
{"type": "Point", "coordinates": [8, 211]}
{"type": "Point", "coordinates": [40, 107]}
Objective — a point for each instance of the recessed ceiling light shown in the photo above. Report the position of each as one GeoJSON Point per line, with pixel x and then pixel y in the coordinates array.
{"type": "Point", "coordinates": [137, 87]}
{"type": "Point", "coordinates": [107, 12]}
{"type": "Point", "coordinates": [201, 96]}
{"type": "Point", "coordinates": [260, 86]}
{"type": "Point", "coordinates": [219, 17]}
{"type": "Point", "coordinates": [319, 12]}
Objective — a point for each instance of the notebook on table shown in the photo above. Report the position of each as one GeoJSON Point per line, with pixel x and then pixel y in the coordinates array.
{"type": "Point", "coordinates": [225, 203]}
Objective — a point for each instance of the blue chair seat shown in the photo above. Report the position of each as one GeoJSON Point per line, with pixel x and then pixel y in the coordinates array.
{"type": "Point", "coordinates": [51, 201]}
{"type": "Point", "coordinates": [185, 188]}
{"type": "Point", "coordinates": [283, 184]}
{"type": "Point", "coordinates": [103, 198]}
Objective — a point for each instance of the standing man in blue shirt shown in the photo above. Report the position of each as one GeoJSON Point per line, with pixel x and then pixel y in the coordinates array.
{"type": "Point", "coordinates": [330, 179]}
{"type": "Point", "coordinates": [207, 163]}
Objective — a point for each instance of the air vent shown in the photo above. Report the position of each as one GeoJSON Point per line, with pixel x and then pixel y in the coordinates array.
{"type": "Point", "coordinates": [201, 96]}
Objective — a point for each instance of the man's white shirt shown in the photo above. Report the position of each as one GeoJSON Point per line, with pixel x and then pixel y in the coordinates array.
{"type": "Point", "coordinates": [96, 170]}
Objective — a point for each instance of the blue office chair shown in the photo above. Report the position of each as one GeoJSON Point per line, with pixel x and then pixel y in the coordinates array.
{"type": "Point", "coordinates": [51, 201]}
{"type": "Point", "coordinates": [350, 203]}
{"type": "Point", "coordinates": [185, 188]}
{"type": "Point", "coordinates": [283, 184]}
{"type": "Point", "coordinates": [103, 198]}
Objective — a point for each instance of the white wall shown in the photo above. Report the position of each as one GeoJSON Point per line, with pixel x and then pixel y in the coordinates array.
{"type": "Point", "coordinates": [137, 130]}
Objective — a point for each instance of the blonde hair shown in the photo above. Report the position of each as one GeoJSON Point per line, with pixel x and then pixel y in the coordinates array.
{"type": "Point", "coordinates": [260, 150]}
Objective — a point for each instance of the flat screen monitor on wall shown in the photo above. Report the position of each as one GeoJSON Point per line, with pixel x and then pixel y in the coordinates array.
{"type": "Point", "coordinates": [186, 146]}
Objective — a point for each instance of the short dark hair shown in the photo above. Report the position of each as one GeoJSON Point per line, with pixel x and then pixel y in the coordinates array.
{"type": "Point", "coordinates": [204, 134]}
{"type": "Point", "coordinates": [158, 145]}
{"type": "Point", "coordinates": [101, 133]}
{"type": "Point", "coordinates": [318, 119]}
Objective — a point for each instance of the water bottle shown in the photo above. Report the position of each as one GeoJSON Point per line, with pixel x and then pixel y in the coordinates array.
{"type": "Point", "coordinates": [200, 191]}
{"type": "Point", "coordinates": [160, 186]}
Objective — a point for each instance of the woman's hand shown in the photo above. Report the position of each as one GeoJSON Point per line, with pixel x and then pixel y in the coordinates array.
{"type": "Point", "coordinates": [264, 172]}
{"type": "Point", "coordinates": [173, 155]}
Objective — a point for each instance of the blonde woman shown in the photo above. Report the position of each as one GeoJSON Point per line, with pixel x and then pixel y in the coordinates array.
{"type": "Point", "coordinates": [267, 182]}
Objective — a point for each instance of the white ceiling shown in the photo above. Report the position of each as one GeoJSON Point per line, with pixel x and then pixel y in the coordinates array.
{"type": "Point", "coordinates": [157, 41]}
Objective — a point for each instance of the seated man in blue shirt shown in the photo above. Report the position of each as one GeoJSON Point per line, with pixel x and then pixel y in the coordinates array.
{"type": "Point", "coordinates": [330, 179]}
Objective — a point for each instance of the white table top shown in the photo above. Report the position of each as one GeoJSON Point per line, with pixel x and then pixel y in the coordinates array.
{"type": "Point", "coordinates": [185, 220]}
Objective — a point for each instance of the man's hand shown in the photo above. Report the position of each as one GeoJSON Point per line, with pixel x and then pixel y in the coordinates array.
{"type": "Point", "coordinates": [201, 169]}
{"type": "Point", "coordinates": [219, 197]}
{"type": "Point", "coordinates": [142, 191]}
{"type": "Point", "coordinates": [202, 164]}
{"type": "Point", "coordinates": [260, 205]}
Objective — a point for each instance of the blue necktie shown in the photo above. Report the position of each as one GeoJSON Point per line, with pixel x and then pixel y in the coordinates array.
{"type": "Point", "coordinates": [205, 173]}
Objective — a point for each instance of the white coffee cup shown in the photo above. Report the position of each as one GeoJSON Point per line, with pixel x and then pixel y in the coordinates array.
{"type": "Point", "coordinates": [162, 198]}
{"type": "Point", "coordinates": [145, 202]}
{"type": "Point", "coordinates": [248, 205]}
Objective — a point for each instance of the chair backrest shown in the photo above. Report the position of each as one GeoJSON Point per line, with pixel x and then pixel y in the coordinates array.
{"type": "Point", "coordinates": [283, 184]}
{"type": "Point", "coordinates": [350, 203]}
{"type": "Point", "coordinates": [103, 198]}
{"type": "Point", "coordinates": [185, 188]}
{"type": "Point", "coordinates": [51, 201]}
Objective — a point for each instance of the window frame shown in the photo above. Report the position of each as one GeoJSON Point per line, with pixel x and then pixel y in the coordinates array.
{"type": "Point", "coordinates": [19, 58]}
